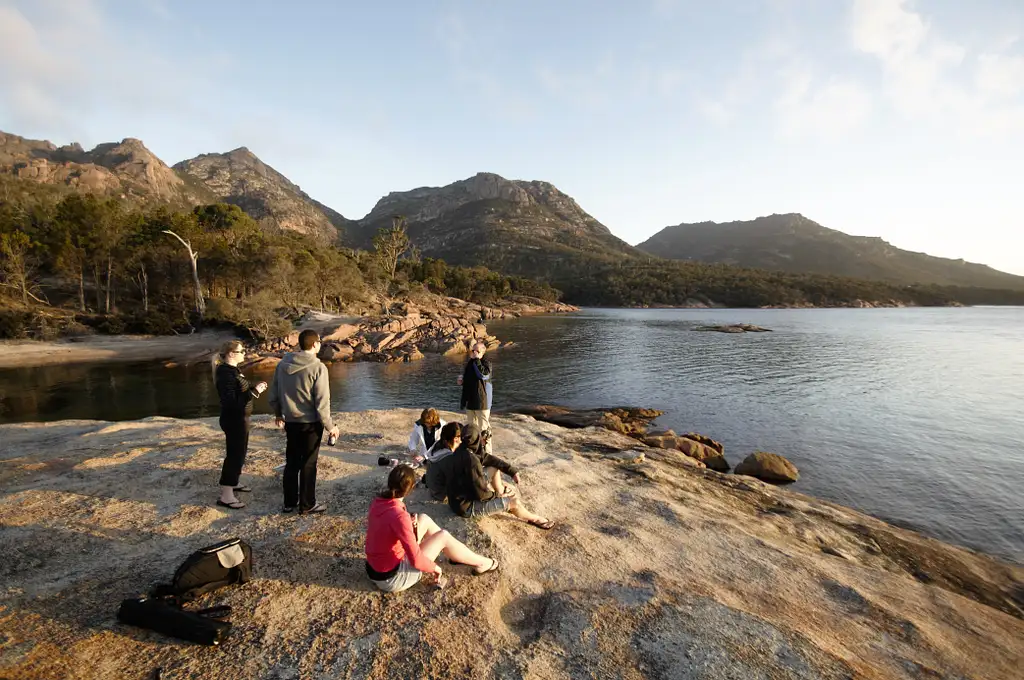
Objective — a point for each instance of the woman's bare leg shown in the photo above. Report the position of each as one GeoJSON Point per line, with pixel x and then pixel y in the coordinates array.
{"type": "Point", "coordinates": [516, 509]}
{"type": "Point", "coordinates": [494, 480]}
{"type": "Point", "coordinates": [434, 540]}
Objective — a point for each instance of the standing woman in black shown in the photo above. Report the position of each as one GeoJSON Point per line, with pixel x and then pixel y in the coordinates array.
{"type": "Point", "coordinates": [236, 395]}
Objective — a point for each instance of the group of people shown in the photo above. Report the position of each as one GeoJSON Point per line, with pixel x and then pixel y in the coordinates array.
{"type": "Point", "coordinates": [460, 467]}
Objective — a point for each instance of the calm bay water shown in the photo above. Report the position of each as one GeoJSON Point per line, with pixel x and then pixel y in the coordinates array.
{"type": "Point", "coordinates": [913, 415]}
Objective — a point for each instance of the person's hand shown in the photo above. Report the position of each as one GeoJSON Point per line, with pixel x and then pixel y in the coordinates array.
{"type": "Point", "coordinates": [507, 490]}
{"type": "Point", "coordinates": [334, 431]}
{"type": "Point", "coordinates": [515, 478]}
{"type": "Point", "coordinates": [417, 459]}
{"type": "Point", "coordinates": [279, 422]}
{"type": "Point", "coordinates": [261, 387]}
{"type": "Point", "coordinates": [458, 381]}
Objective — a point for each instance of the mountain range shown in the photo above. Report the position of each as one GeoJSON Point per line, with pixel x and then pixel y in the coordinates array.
{"type": "Point", "coordinates": [528, 228]}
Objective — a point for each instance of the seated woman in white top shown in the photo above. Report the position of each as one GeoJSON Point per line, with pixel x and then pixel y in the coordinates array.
{"type": "Point", "coordinates": [424, 434]}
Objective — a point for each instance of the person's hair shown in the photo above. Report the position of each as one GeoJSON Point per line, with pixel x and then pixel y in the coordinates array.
{"type": "Point", "coordinates": [222, 356]}
{"type": "Point", "coordinates": [430, 417]}
{"type": "Point", "coordinates": [308, 338]}
{"type": "Point", "coordinates": [400, 482]}
{"type": "Point", "coordinates": [449, 432]}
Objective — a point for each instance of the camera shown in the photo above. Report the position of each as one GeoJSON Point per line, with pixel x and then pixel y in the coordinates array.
{"type": "Point", "coordinates": [384, 461]}
{"type": "Point", "coordinates": [332, 439]}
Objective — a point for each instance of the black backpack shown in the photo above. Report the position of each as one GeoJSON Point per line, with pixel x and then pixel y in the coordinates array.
{"type": "Point", "coordinates": [208, 569]}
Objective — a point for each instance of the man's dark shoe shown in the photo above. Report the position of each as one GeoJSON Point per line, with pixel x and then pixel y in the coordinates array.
{"type": "Point", "coordinates": [316, 509]}
{"type": "Point", "coordinates": [288, 508]}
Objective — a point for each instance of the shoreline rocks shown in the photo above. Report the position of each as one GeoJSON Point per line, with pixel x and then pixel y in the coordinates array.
{"type": "Point", "coordinates": [627, 420]}
{"type": "Point", "coordinates": [447, 326]}
{"type": "Point", "coordinates": [703, 451]}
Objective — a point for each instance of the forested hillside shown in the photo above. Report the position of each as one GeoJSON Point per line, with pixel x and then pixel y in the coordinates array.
{"type": "Point", "coordinates": [79, 261]}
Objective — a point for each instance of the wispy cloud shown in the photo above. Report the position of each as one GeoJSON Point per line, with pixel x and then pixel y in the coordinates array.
{"type": "Point", "coordinates": [923, 76]}
{"type": "Point", "coordinates": [1000, 76]}
{"type": "Point", "coordinates": [64, 60]}
{"type": "Point", "coordinates": [927, 76]}
{"type": "Point", "coordinates": [805, 100]}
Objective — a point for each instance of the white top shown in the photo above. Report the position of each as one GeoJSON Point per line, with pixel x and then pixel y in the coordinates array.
{"type": "Point", "coordinates": [417, 444]}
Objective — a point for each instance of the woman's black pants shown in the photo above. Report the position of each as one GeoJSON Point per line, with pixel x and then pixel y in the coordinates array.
{"type": "Point", "coordinates": [236, 434]}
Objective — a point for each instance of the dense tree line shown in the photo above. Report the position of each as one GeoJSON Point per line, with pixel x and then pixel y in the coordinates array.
{"type": "Point", "coordinates": [631, 283]}
{"type": "Point", "coordinates": [120, 267]}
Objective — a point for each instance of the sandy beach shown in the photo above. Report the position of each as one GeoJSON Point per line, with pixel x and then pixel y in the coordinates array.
{"type": "Point", "coordinates": [109, 348]}
{"type": "Point", "coordinates": [655, 569]}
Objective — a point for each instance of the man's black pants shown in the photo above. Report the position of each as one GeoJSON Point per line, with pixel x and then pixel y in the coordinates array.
{"type": "Point", "coordinates": [301, 455]}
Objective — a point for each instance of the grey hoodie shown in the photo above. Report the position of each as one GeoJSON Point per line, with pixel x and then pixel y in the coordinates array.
{"type": "Point", "coordinates": [300, 392]}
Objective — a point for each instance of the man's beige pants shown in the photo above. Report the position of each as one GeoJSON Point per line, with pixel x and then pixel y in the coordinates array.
{"type": "Point", "coordinates": [482, 419]}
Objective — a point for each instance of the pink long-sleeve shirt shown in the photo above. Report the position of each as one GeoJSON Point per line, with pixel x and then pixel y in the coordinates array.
{"type": "Point", "coordinates": [390, 537]}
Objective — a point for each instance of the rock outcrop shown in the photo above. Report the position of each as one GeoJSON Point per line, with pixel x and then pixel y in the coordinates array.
{"type": "Point", "coordinates": [240, 178]}
{"type": "Point", "coordinates": [705, 450]}
{"type": "Point", "coordinates": [654, 569]}
{"type": "Point", "coordinates": [448, 327]}
{"type": "Point", "coordinates": [627, 420]}
{"type": "Point", "coordinates": [125, 168]}
{"type": "Point", "coordinates": [770, 467]}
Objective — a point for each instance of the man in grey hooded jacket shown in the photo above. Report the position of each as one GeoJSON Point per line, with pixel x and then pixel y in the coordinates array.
{"type": "Point", "coordinates": [301, 398]}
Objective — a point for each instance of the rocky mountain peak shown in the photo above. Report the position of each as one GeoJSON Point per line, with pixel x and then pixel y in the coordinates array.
{"type": "Point", "coordinates": [125, 168]}
{"type": "Point", "coordinates": [241, 178]}
{"type": "Point", "coordinates": [431, 203]}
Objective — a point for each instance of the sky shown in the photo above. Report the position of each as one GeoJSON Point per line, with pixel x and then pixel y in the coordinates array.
{"type": "Point", "coordinates": [895, 118]}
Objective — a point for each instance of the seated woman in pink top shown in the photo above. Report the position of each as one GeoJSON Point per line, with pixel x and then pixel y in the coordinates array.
{"type": "Point", "coordinates": [400, 548]}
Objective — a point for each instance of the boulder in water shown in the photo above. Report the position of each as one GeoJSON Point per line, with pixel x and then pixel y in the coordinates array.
{"type": "Point", "coordinates": [734, 328]}
{"type": "Point", "coordinates": [768, 467]}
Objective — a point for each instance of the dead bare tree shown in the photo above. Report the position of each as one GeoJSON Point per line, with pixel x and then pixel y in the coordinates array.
{"type": "Point", "coordinates": [193, 257]}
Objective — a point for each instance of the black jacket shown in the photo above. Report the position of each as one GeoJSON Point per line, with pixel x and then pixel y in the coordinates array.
{"type": "Point", "coordinates": [474, 390]}
{"type": "Point", "coordinates": [467, 481]}
{"type": "Point", "coordinates": [235, 392]}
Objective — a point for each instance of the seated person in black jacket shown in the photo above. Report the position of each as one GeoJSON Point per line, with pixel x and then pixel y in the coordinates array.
{"type": "Point", "coordinates": [474, 491]}
{"type": "Point", "coordinates": [439, 460]}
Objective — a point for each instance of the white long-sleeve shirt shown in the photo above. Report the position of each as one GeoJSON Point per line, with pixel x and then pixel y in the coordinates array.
{"type": "Point", "coordinates": [417, 444]}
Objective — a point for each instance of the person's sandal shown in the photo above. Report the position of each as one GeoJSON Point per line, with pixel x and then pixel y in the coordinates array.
{"type": "Point", "coordinates": [235, 505]}
{"type": "Point", "coordinates": [243, 489]}
{"type": "Point", "coordinates": [315, 510]}
{"type": "Point", "coordinates": [546, 525]}
{"type": "Point", "coordinates": [288, 509]}
{"type": "Point", "coordinates": [493, 567]}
